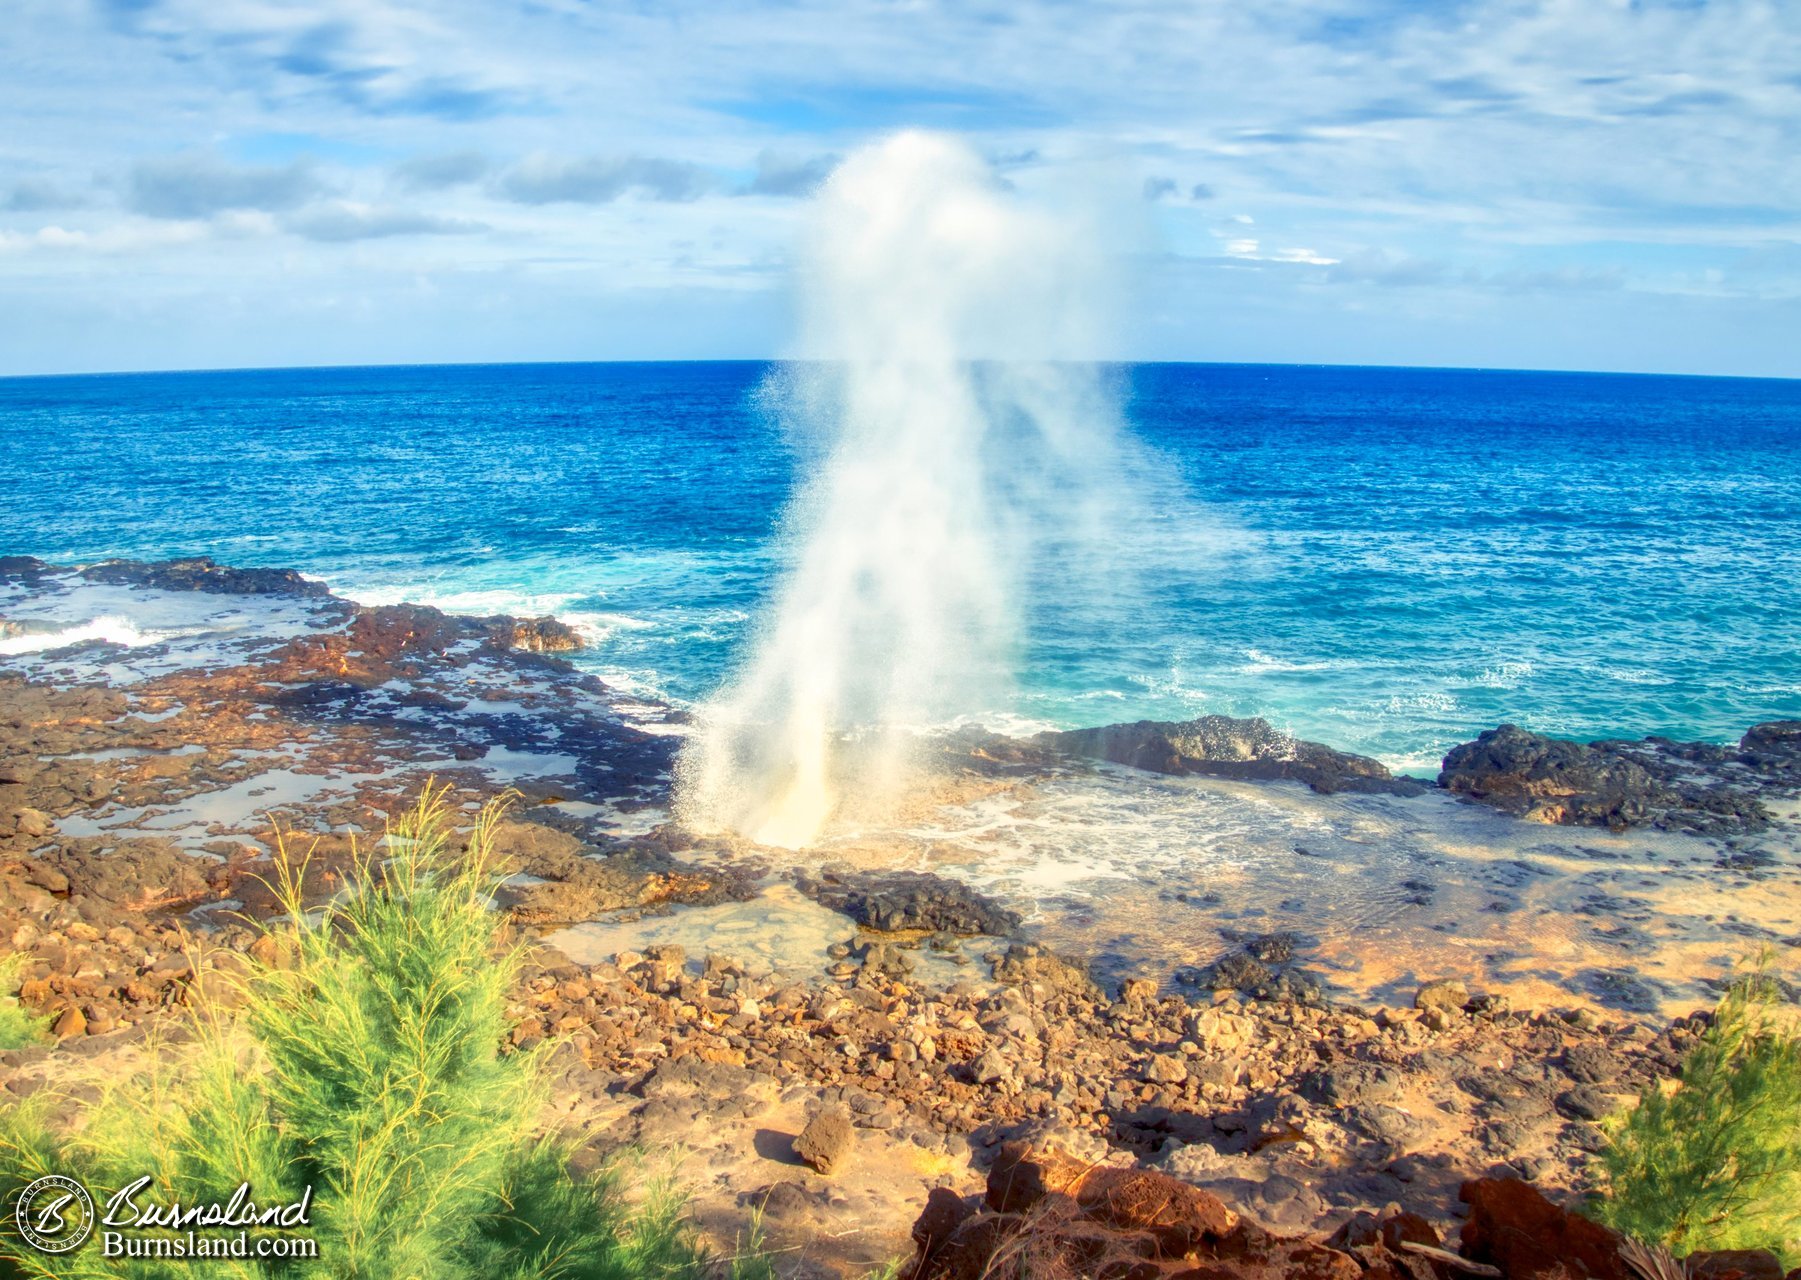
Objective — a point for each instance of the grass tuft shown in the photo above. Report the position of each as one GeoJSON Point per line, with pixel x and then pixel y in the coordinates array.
{"type": "Point", "coordinates": [18, 1027]}
{"type": "Point", "coordinates": [364, 1060]}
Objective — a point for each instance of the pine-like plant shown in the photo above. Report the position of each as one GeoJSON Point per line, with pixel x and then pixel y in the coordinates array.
{"type": "Point", "coordinates": [1716, 1163]}
{"type": "Point", "coordinates": [363, 1060]}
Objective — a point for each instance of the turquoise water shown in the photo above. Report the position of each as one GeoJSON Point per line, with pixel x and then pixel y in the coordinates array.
{"type": "Point", "coordinates": [1395, 558]}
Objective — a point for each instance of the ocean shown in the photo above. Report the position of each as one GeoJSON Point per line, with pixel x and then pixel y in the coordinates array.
{"type": "Point", "coordinates": [1395, 560]}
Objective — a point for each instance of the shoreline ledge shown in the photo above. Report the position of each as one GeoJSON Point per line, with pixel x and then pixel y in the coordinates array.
{"type": "Point", "coordinates": [129, 827]}
{"type": "Point", "coordinates": [1700, 788]}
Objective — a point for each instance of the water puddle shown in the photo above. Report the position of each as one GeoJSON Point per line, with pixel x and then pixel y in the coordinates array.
{"type": "Point", "coordinates": [782, 932]}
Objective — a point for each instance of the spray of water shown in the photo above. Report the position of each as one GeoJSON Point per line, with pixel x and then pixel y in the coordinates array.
{"type": "Point", "coordinates": [968, 458]}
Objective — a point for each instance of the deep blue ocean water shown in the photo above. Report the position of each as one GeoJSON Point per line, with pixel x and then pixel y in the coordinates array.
{"type": "Point", "coordinates": [1413, 554]}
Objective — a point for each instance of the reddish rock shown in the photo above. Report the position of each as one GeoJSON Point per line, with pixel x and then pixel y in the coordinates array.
{"type": "Point", "coordinates": [1515, 1228]}
{"type": "Point", "coordinates": [535, 635]}
{"type": "Point", "coordinates": [827, 1140]}
{"type": "Point", "coordinates": [388, 631]}
{"type": "Point", "coordinates": [1051, 1214]}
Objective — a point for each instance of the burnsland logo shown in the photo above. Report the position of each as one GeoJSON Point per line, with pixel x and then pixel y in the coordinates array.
{"type": "Point", "coordinates": [55, 1214]}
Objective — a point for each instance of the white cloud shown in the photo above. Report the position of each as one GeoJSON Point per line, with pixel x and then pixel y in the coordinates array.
{"type": "Point", "coordinates": [1612, 150]}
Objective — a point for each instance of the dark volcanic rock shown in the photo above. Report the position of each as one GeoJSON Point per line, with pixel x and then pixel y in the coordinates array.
{"type": "Point", "coordinates": [1220, 746]}
{"type": "Point", "coordinates": [200, 573]}
{"type": "Point", "coordinates": [1684, 786]}
{"type": "Point", "coordinates": [904, 900]}
{"type": "Point", "coordinates": [1264, 966]}
{"type": "Point", "coordinates": [1549, 779]}
{"type": "Point", "coordinates": [24, 570]}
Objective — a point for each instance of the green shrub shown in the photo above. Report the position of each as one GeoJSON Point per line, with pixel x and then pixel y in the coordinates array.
{"type": "Point", "coordinates": [18, 1027]}
{"type": "Point", "coordinates": [1716, 1164]}
{"type": "Point", "coordinates": [365, 1061]}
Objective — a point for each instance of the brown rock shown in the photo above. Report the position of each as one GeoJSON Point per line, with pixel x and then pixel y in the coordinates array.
{"type": "Point", "coordinates": [1177, 1215]}
{"type": "Point", "coordinates": [32, 822]}
{"type": "Point", "coordinates": [945, 1211]}
{"type": "Point", "coordinates": [1512, 1226]}
{"type": "Point", "coordinates": [1055, 1215]}
{"type": "Point", "coordinates": [1165, 1068]}
{"type": "Point", "coordinates": [72, 1023]}
{"type": "Point", "coordinates": [1447, 994]}
{"type": "Point", "coordinates": [827, 1140]}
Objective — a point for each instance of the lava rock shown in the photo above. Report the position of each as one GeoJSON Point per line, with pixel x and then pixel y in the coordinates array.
{"type": "Point", "coordinates": [1617, 784]}
{"type": "Point", "coordinates": [201, 573]}
{"type": "Point", "coordinates": [910, 900]}
{"type": "Point", "coordinates": [1224, 747]}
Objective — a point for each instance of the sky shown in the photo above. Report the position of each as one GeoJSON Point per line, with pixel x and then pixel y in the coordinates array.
{"type": "Point", "coordinates": [1561, 184]}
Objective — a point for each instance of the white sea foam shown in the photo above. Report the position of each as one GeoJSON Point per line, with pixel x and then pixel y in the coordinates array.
{"type": "Point", "coordinates": [477, 602]}
{"type": "Point", "coordinates": [1257, 662]}
{"type": "Point", "coordinates": [1506, 675]}
{"type": "Point", "coordinates": [112, 629]}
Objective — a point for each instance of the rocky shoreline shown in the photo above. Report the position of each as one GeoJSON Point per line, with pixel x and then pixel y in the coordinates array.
{"type": "Point", "coordinates": [935, 1030]}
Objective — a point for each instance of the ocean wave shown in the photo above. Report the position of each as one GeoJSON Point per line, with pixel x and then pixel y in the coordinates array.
{"type": "Point", "coordinates": [1505, 675]}
{"type": "Point", "coordinates": [1632, 675]}
{"type": "Point", "coordinates": [1433, 700]}
{"type": "Point", "coordinates": [476, 602]}
{"type": "Point", "coordinates": [1173, 687]}
{"type": "Point", "coordinates": [111, 628]}
{"type": "Point", "coordinates": [1259, 663]}
{"type": "Point", "coordinates": [597, 628]}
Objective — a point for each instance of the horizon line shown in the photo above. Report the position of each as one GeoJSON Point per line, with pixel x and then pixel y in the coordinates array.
{"type": "Point", "coordinates": [777, 360]}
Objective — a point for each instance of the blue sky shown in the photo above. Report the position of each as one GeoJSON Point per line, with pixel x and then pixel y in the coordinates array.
{"type": "Point", "coordinates": [1595, 184]}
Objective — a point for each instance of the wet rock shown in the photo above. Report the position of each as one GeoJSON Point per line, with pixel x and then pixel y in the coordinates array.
{"type": "Point", "coordinates": [573, 881]}
{"type": "Point", "coordinates": [201, 573]}
{"type": "Point", "coordinates": [390, 631]}
{"type": "Point", "coordinates": [1773, 736]}
{"type": "Point", "coordinates": [1611, 784]}
{"type": "Point", "coordinates": [1263, 968]}
{"type": "Point", "coordinates": [826, 1141]}
{"type": "Point", "coordinates": [1028, 963]}
{"type": "Point", "coordinates": [535, 635]}
{"type": "Point", "coordinates": [1221, 746]}
{"type": "Point", "coordinates": [901, 901]}
{"type": "Point", "coordinates": [26, 571]}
